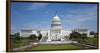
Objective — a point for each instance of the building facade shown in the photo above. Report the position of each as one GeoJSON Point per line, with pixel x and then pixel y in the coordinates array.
{"type": "Point", "coordinates": [28, 32]}
{"type": "Point", "coordinates": [54, 33]}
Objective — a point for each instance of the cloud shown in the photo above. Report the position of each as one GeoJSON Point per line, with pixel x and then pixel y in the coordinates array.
{"type": "Point", "coordinates": [17, 13]}
{"type": "Point", "coordinates": [13, 30]}
{"type": "Point", "coordinates": [32, 25]}
{"type": "Point", "coordinates": [80, 18]}
{"type": "Point", "coordinates": [35, 6]}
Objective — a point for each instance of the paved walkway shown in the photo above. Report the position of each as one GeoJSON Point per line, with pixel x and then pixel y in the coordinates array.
{"type": "Point", "coordinates": [56, 42]}
{"type": "Point", "coordinates": [88, 45]}
{"type": "Point", "coordinates": [20, 47]}
{"type": "Point", "coordinates": [49, 43]}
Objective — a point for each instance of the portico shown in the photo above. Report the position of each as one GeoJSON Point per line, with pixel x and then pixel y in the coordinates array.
{"type": "Point", "coordinates": [56, 32]}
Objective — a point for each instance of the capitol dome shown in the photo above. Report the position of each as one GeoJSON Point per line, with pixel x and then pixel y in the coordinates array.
{"type": "Point", "coordinates": [56, 23]}
{"type": "Point", "coordinates": [56, 19]}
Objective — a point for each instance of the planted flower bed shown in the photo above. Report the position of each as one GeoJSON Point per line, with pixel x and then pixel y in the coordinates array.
{"type": "Point", "coordinates": [54, 47]}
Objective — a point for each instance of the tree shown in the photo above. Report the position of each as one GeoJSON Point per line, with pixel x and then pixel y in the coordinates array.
{"type": "Point", "coordinates": [84, 36]}
{"type": "Point", "coordinates": [75, 35]}
{"type": "Point", "coordinates": [17, 37]}
{"type": "Point", "coordinates": [17, 34]}
{"type": "Point", "coordinates": [96, 35]}
{"type": "Point", "coordinates": [40, 36]}
{"type": "Point", "coordinates": [11, 36]}
{"type": "Point", "coordinates": [92, 33]}
{"type": "Point", "coordinates": [33, 36]}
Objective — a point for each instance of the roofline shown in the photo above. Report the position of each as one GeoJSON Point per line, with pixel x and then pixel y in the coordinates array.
{"type": "Point", "coordinates": [83, 28]}
{"type": "Point", "coordinates": [28, 29]}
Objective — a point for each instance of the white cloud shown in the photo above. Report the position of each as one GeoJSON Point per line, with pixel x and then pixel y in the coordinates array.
{"type": "Point", "coordinates": [76, 18]}
{"type": "Point", "coordinates": [37, 5]}
{"type": "Point", "coordinates": [17, 13]}
{"type": "Point", "coordinates": [32, 25]}
{"type": "Point", "coordinates": [13, 30]}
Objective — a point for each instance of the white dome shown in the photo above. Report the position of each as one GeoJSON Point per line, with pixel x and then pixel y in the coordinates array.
{"type": "Point", "coordinates": [56, 19]}
{"type": "Point", "coordinates": [56, 22]}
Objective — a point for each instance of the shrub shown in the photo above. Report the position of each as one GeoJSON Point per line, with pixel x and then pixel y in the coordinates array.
{"type": "Point", "coordinates": [75, 35]}
{"type": "Point", "coordinates": [92, 33]}
{"type": "Point", "coordinates": [40, 36]}
{"type": "Point", "coordinates": [84, 36]}
{"type": "Point", "coordinates": [33, 36]}
{"type": "Point", "coordinates": [16, 38]}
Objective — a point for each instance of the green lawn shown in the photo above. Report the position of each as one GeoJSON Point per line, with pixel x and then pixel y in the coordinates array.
{"type": "Point", "coordinates": [89, 40]}
{"type": "Point", "coordinates": [22, 42]}
{"type": "Point", "coordinates": [50, 47]}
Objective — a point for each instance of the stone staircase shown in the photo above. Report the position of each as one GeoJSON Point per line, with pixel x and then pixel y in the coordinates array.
{"type": "Point", "coordinates": [44, 39]}
{"type": "Point", "coordinates": [66, 38]}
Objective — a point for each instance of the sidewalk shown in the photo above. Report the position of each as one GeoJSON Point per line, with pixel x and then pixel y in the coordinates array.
{"type": "Point", "coordinates": [20, 47]}
{"type": "Point", "coordinates": [88, 45]}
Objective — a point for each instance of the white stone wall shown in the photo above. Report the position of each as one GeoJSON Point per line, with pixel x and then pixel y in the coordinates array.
{"type": "Point", "coordinates": [44, 32]}
{"type": "Point", "coordinates": [56, 33]}
{"type": "Point", "coordinates": [35, 32]}
{"type": "Point", "coordinates": [27, 32]}
{"type": "Point", "coordinates": [51, 33]}
{"type": "Point", "coordinates": [84, 31]}
{"type": "Point", "coordinates": [88, 33]}
{"type": "Point", "coordinates": [91, 36]}
{"type": "Point", "coordinates": [66, 32]}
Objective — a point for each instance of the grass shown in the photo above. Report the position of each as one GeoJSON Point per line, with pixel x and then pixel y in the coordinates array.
{"type": "Point", "coordinates": [50, 47]}
{"type": "Point", "coordinates": [84, 46]}
{"type": "Point", "coordinates": [89, 41]}
{"type": "Point", "coordinates": [22, 42]}
{"type": "Point", "coordinates": [92, 41]}
{"type": "Point", "coordinates": [15, 45]}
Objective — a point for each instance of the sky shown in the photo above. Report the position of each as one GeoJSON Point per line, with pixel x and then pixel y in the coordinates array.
{"type": "Point", "coordinates": [35, 15]}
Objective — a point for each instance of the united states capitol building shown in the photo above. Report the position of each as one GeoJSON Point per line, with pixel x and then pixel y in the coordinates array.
{"type": "Point", "coordinates": [55, 32]}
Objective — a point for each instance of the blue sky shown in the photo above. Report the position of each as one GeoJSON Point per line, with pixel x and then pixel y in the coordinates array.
{"type": "Point", "coordinates": [33, 15]}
